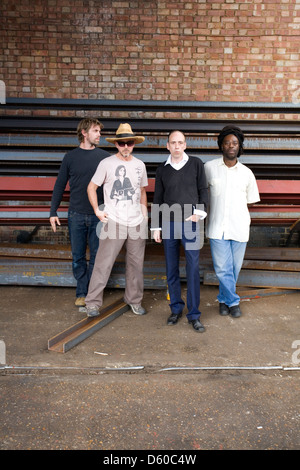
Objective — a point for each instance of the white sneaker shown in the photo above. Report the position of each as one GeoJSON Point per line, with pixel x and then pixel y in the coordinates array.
{"type": "Point", "coordinates": [92, 311]}
{"type": "Point", "coordinates": [137, 309]}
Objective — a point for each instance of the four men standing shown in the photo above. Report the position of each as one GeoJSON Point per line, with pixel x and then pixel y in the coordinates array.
{"type": "Point", "coordinates": [185, 191]}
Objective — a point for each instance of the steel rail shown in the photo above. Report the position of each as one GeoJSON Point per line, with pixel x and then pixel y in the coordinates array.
{"type": "Point", "coordinates": [260, 278]}
{"type": "Point", "coordinates": [77, 333]}
{"type": "Point", "coordinates": [150, 125]}
{"type": "Point", "coordinates": [152, 105]}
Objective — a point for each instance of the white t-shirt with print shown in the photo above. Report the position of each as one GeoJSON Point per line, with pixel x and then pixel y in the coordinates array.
{"type": "Point", "coordinates": [122, 182]}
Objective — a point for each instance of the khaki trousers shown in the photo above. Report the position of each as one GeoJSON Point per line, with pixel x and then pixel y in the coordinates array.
{"type": "Point", "coordinates": [134, 239]}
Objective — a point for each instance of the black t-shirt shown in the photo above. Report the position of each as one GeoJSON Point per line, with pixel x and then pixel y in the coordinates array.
{"type": "Point", "coordinates": [78, 167]}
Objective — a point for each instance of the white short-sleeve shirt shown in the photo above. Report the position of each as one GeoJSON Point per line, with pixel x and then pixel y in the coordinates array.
{"type": "Point", "coordinates": [122, 182]}
{"type": "Point", "coordinates": [230, 191]}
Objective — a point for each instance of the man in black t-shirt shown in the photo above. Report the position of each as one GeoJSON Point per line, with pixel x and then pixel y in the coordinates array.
{"type": "Point", "coordinates": [77, 168]}
{"type": "Point", "coordinates": [180, 200]}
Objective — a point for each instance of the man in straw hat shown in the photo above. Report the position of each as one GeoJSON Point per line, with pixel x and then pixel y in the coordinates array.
{"type": "Point", "coordinates": [124, 215]}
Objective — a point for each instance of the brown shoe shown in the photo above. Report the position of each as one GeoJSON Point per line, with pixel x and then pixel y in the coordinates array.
{"type": "Point", "coordinates": [80, 302]}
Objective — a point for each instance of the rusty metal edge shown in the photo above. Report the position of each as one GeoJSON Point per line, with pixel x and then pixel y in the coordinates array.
{"type": "Point", "coordinates": [61, 343]}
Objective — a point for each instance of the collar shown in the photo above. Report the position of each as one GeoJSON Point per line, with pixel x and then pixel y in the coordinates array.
{"type": "Point", "coordinates": [221, 162]}
{"type": "Point", "coordinates": [182, 162]}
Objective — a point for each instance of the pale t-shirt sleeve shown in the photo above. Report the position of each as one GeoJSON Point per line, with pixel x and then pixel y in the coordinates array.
{"type": "Point", "coordinates": [99, 175]}
{"type": "Point", "coordinates": [144, 181]}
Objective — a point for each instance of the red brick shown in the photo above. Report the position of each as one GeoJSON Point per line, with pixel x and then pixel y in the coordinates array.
{"type": "Point", "coordinates": [196, 50]}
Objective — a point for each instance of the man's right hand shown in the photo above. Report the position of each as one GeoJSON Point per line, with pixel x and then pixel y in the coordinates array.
{"type": "Point", "coordinates": [102, 215]}
{"type": "Point", "coordinates": [53, 222]}
{"type": "Point", "coordinates": [157, 236]}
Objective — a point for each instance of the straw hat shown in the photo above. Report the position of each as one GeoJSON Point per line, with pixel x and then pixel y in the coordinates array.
{"type": "Point", "coordinates": [124, 132]}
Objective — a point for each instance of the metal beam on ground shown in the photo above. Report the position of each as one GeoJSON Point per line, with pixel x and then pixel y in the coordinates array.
{"type": "Point", "coordinates": [254, 293]}
{"type": "Point", "coordinates": [77, 333]}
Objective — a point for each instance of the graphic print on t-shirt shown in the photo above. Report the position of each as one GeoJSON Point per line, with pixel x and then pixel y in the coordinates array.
{"type": "Point", "coordinates": [122, 189]}
{"type": "Point", "coordinates": [122, 183]}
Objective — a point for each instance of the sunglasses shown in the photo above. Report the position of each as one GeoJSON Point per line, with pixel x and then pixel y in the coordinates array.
{"type": "Point", "coordinates": [129, 143]}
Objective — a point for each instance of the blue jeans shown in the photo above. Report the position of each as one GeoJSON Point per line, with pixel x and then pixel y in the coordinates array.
{"type": "Point", "coordinates": [188, 234]}
{"type": "Point", "coordinates": [228, 256]}
{"type": "Point", "coordinates": [82, 231]}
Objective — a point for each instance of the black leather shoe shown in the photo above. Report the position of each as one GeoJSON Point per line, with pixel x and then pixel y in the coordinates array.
{"type": "Point", "coordinates": [197, 325]}
{"type": "Point", "coordinates": [235, 311]}
{"type": "Point", "coordinates": [223, 309]}
{"type": "Point", "coordinates": [173, 318]}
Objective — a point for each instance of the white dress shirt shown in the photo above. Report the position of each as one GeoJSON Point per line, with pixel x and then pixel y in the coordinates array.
{"type": "Point", "coordinates": [230, 190]}
{"type": "Point", "coordinates": [177, 166]}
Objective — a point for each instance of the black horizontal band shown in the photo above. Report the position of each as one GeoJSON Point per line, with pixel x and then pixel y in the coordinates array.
{"type": "Point", "coordinates": [118, 136]}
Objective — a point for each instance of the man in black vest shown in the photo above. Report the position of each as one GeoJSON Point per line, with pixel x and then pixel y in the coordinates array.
{"type": "Point", "coordinates": [179, 203]}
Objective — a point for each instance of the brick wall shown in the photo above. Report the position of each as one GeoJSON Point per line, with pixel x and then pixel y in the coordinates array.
{"type": "Point", "coordinates": [206, 50]}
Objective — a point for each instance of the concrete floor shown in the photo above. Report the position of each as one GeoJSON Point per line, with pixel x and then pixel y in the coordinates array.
{"type": "Point", "coordinates": [138, 384]}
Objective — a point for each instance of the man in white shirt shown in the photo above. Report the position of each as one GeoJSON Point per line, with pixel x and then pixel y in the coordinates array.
{"type": "Point", "coordinates": [232, 186]}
